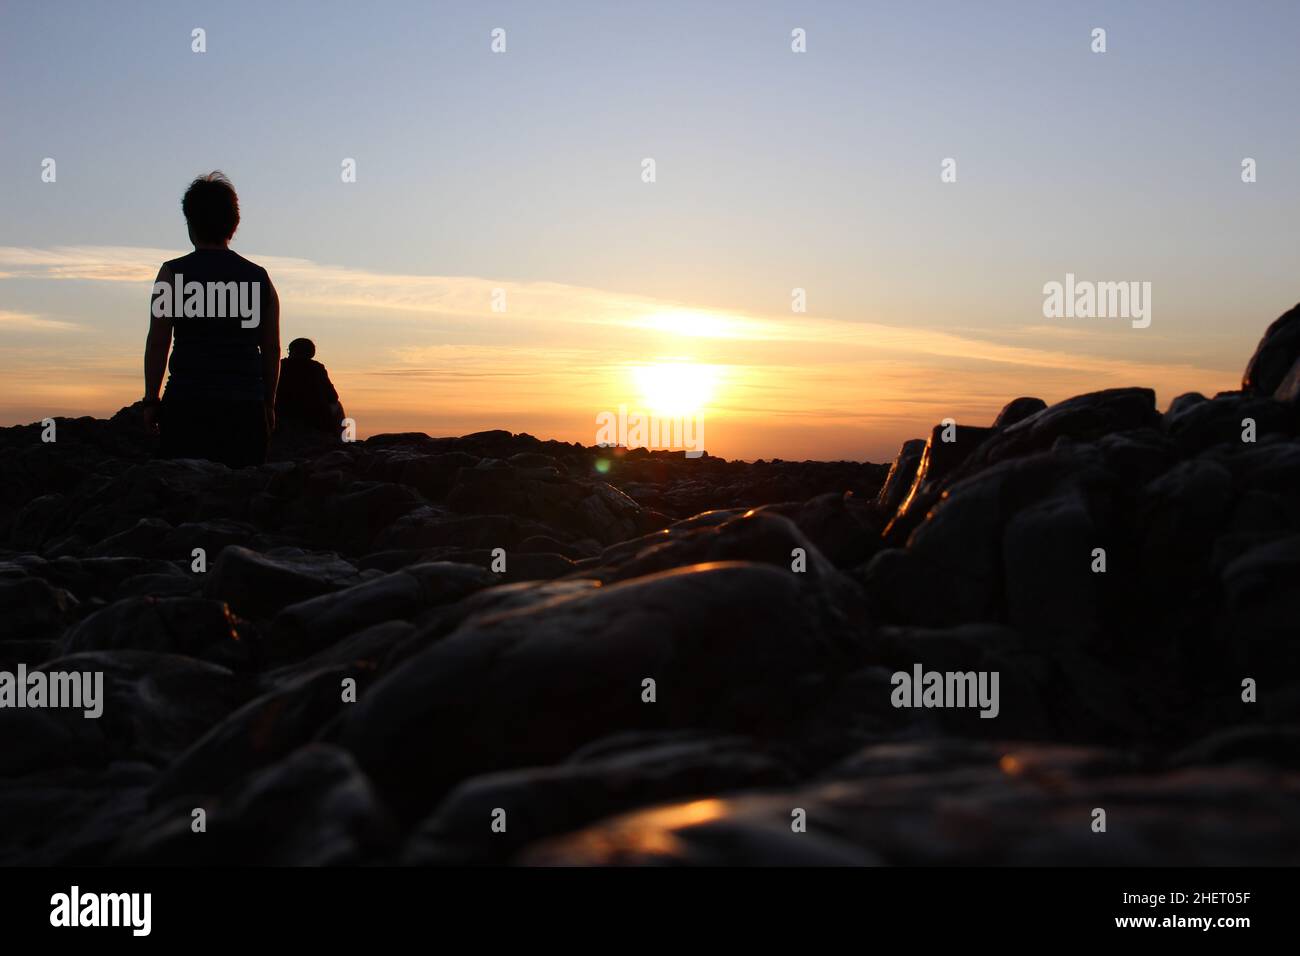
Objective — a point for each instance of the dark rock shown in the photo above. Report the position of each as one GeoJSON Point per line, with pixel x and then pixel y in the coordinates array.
{"type": "Point", "coordinates": [726, 643]}
{"type": "Point", "coordinates": [70, 815]}
{"type": "Point", "coordinates": [544, 801]}
{"type": "Point", "coordinates": [191, 626]}
{"type": "Point", "coordinates": [1261, 604]}
{"type": "Point", "coordinates": [29, 652]}
{"type": "Point", "coordinates": [313, 624]}
{"type": "Point", "coordinates": [1017, 804]}
{"type": "Point", "coordinates": [844, 528]}
{"type": "Point", "coordinates": [1276, 746]}
{"type": "Point", "coordinates": [520, 566]}
{"type": "Point", "coordinates": [1288, 390]}
{"type": "Point", "coordinates": [147, 538]}
{"type": "Point", "coordinates": [1277, 351]}
{"type": "Point", "coordinates": [751, 831]}
{"type": "Point", "coordinates": [428, 527]}
{"type": "Point", "coordinates": [259, 733]}
{"type": "Point", "coordinates": [31, 609]}
{"type": "Point", "coordinates": [366, 650]}
{"type": "Point", "coordinates": [152, 707]}
{"type": "Point", "coordinates": [1017, 410]}
{"type": "Point", "coordinates": [259, 585]}
{"type": "Point", "coordinates": [173, 584]}
{"type": "Point", "coordinates": [948, 447]}
{"type": "Point", "coordinates": [1029, 692]}
{"type": "Point", "coordinates": [901, 475]}
{"type": "Point", "coordinates": [95, 579]}
{"type": "Point", "coordinates": [1082, 418]}
{"type": "Point", "coordinates": [1050, 586]}
{"type": "Point", "coordinates": [1195, 426]}
{"type": "Point", "coordinates": [759, 535]}
{"type": "Point", "coordinates": [1183, 404]}
{"type": "Point", "coordinates": [361, 515]}
{"type": "Point", "coordinates": [155, 538]}
{"type": "Point", "coordinates": [313, 808]}
{"type": "Point", "coordinates": [542, 544]}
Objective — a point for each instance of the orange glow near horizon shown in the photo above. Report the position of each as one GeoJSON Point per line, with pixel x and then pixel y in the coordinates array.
{"type": "Point", "coordinates": [426, 353]}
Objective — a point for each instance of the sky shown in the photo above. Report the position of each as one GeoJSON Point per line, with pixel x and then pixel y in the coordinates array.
{"type": "Point", "coordinates": [486, 178]}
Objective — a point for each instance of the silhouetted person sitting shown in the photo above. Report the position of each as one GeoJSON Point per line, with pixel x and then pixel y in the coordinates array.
{"type": "Point", "coordinates": [306, 396]}
{"type": "Point", "coordinates": [225, 316]}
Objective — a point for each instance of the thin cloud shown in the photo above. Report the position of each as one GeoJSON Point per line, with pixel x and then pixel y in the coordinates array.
{"type": "Point", "coordinates": [304, 282]}
{"type": "Point", "coordinates": [27, 322]}
{"type": "Point", "coordinates": [307, 282]}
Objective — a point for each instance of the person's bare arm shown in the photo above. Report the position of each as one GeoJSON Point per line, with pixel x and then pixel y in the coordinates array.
{"type": "Point", "coordinates": [156, 346]}
{"type": "Point", "coordinates": [270, 346]}
{"type": "Point", "coordinates": [333, 406]}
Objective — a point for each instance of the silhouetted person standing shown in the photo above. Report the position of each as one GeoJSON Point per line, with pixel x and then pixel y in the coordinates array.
{"type": "Point", "coordinates": [225, 316]}
{"type": "Point", "coordinates": [306, 395]}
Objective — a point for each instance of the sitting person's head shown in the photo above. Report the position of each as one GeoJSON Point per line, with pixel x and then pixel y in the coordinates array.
{"type": "Point", "coordinates": [211, 210]}
{"type": "Point", "coordinates": [302, 349]}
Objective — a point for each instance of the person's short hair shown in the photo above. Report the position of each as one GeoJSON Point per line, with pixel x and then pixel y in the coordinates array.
{"type": "Point", "coordinates": [211, 208]}
{"type": "Point", "coordinates": [304, 347]}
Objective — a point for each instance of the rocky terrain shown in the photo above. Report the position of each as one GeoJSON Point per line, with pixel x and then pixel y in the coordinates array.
{"type": "Point", "coordinates": [436, 650]}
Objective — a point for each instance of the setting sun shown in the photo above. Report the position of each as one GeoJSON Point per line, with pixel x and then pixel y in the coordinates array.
{"type": "Point", "coordinates": [675, 388]}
